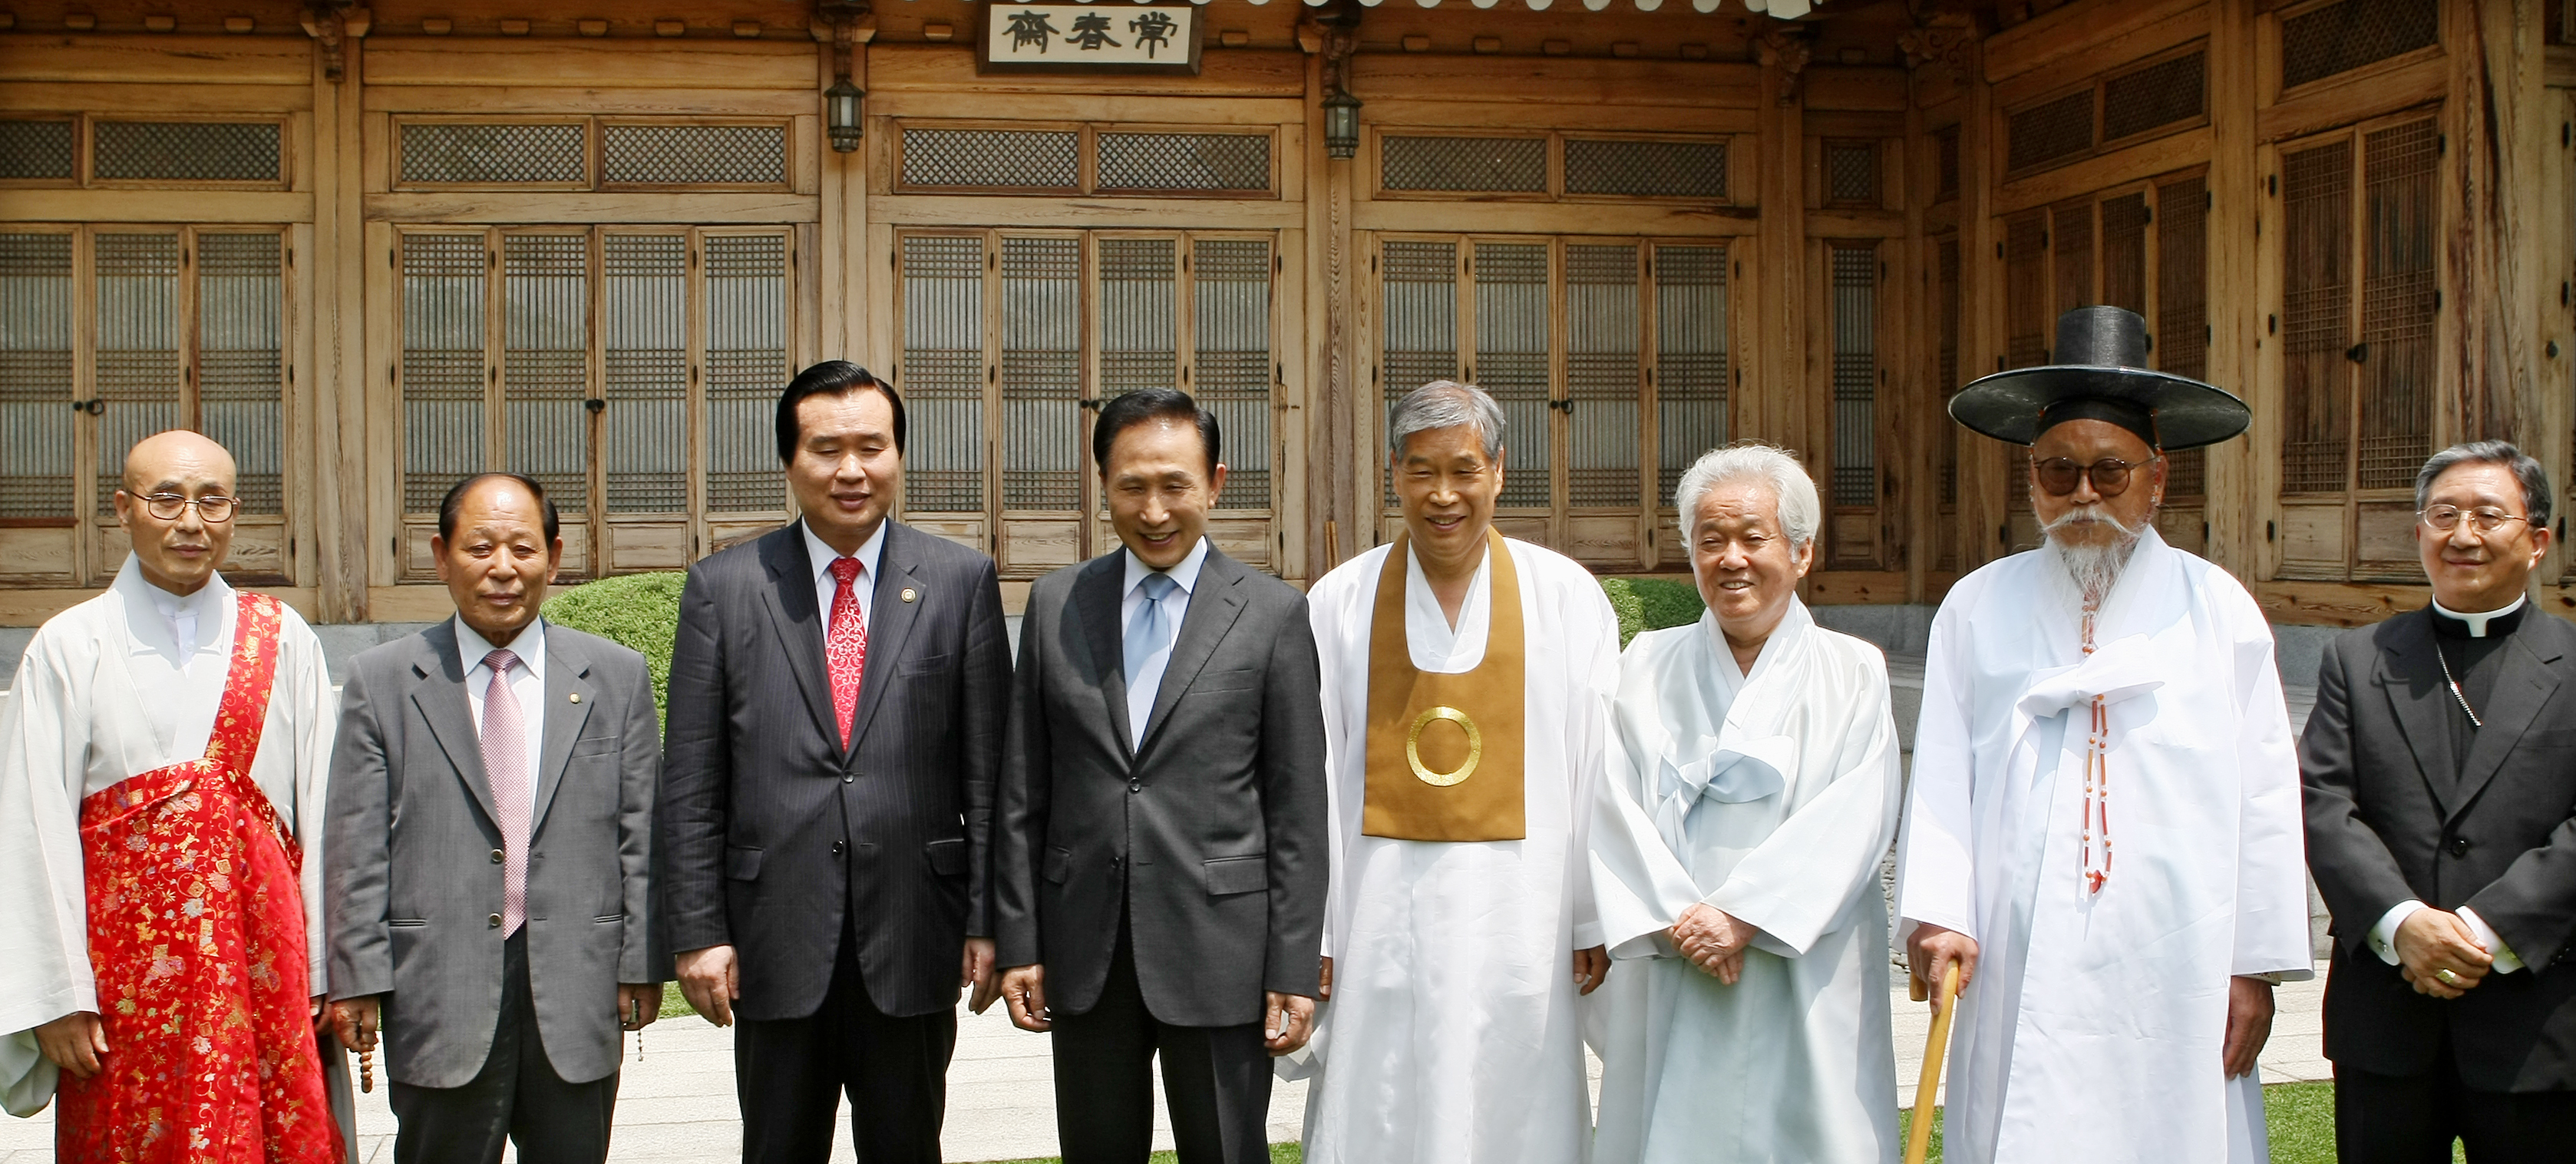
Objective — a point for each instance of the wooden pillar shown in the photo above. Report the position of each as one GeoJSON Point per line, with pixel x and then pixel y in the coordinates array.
{"type": "Point", "coordinates": [1772, 400]}
{"type": "Point", "coordinates": [2494, 121]}
{"type": "Point", "coordinates": [2243, 475]}
{"type": "Point", "coordinates": [843, 188]}
{"type": "Point", "coordinates": [338, 389]}
{"type": "Point", "coordinates": [1983, 464]}
{"type": "Point", "coordinates": [1340, 483]}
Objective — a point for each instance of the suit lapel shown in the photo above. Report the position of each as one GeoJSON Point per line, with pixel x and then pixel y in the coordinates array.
{"type": "Point", "coordinates": [1095, 602]}
{"type": "Point", "coordinates": [2521, 691]}
{"type": "Point", "coordinates": [1213, 608]}
{"type": "Point", "coordinates": [890, 619]}
{"type": "Point", "coordinates": [2410, 675]}
{"type": "Point", "coordinates": [440, 696]}
{"type": "Point", "coordinates": [800, 627]}
{"type": "Point", "coordinates": [567, 675]}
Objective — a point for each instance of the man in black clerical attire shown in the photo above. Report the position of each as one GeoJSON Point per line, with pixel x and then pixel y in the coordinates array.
{"type": "Point", "coordinates": [2440, 767]}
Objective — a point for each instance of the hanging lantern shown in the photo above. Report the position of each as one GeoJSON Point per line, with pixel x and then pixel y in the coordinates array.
{"type": "Point", "coordinates": [1341, 123]}
{"type": "Point", "coordinates": [841, 114]}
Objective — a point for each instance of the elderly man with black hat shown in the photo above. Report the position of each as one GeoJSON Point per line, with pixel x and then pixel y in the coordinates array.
{"type": "Point", "coordinates": [2103, 829]}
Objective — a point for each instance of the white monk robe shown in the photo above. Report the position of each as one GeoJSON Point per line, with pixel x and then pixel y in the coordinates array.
{"type": "Point", "coordinates": [1772, 797]}
{"type": "Point", "coordinates": [2094, 1027]}
{"type": "Point", "coordinates": [1452, 1035]}
{"type": "Point", "coordinates": [105, 693]}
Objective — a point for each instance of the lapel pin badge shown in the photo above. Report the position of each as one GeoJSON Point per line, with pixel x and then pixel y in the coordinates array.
{"type": "Point", "coordinates": [909, 594]}
{"type": "Point", "coordinates": [576, 697]}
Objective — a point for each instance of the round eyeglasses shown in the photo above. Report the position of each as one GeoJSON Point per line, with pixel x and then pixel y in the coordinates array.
{"type": "Point", "coordinates": [2485, 519]}
{"type": "Point", "coordinates": [166, 506]}
{"type": "Point", "coordinates": [2110, 475]}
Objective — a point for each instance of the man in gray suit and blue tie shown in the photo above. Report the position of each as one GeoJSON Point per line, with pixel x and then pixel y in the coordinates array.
{"type": "Point", "coordinates": [1159, 864]}
{"type": "Point", "coordinates": [489, 887]}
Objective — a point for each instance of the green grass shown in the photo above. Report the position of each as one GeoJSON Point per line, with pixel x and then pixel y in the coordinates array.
{"type": "Point", "coordinates": [1645, 604]}
{"type": "Point", "coordinates": [641, 611]}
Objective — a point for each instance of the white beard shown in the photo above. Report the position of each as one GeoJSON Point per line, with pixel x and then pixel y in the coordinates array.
{"type": "Point", "coordinates": [2093, 569]}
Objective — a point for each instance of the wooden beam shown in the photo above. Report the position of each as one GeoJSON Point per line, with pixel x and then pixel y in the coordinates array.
{"type": "Point", "coordinates": [2118, 168]}
{"type": "Point", "coordinates": [951, 68]}
{"type": "Point", "coordinates": [1111, 108]}
{"type": "Point", "coordinates": [1678, 219]}
{"type": "Point", "coordinates": [119, 97]}
{"type": "Point", "coordinates": [2072, 29]}
{"type": "Point", "coordinates": [585, 64]}
{"type": "Point", "coordinates": [521, 100]}
{"type": "Point", "coordinates": [1691, 119]}
{"type": "Point", "coordinates": [1554, 80]}
{"type": "Point", "coordinates": [157, 60]}
{"type": "Point", "coordinates": [1074, 211]}
{"type": "Point", "coordinates": [703, 209]}
{"type": "Point", "coordinates": [2111, 49]}
{"type": "Point", "coordinates": [202, 206]}
{"type": "Point", "coordinates": [2328, 105]}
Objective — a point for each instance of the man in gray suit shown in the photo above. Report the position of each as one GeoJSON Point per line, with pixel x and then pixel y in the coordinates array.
{"type": "Point", "coordinates": [1159, 868]}
{"type": "Point", "coordinates": [490, 852]}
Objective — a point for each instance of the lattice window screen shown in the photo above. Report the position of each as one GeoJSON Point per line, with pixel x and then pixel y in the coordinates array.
{"type": "Point", "coordinates": [1030, 159]}
{"type": "Point", "coordinates": [2316, 306]}
{"type": "Point", "coordinates": [644, 326]}
{"type": "Point", "coordinates": [442, 370]}
{"type": "Point", "coordinates": [2397, 315]}
{"type": "Point", "coordinates": [1419, 343]}
{"type": "Point", "coordinates": [1690, 359]}
{"type": "Point", "coordinates": [1230, 324]}
{"type": "Point", "coordinates": [1139, 315]}
{"type": "Point", "coordinates": [187, 151]}
{"type": "Point", "coordinates": [1945, 149]}
{"type": "Point", "coordinates": [692, 155]}
{"type": "Point", "coordinates": [943, 372]}
{"type": "Point", "coordinates": [1511, 289]}
{"type": "Point", "coordinates": [2028, 328]}
{"type": "Point", "coordinates": [1946, 316]}
{"type": "Point", "coordinates": [137, 279]}
{"type": "Point", "coordinates": [1644, 169]}
{"type": "Point", "coordinates": [35, 375]}
{"type": "Point", "coordinates": [1855, 302]}
{"type": "Point", "coordinates": [2051, 132]}
{"type": "Point", "coordinates": [1851, 172]}
{"type": "Point", "coordinates": [240, 366]}
{"type": "Point", "coordinates": [1184, 161]}
{"type": "Point", "coordinates": [2338, 38]}
{"type": "Point", "coordinates": [2124, 252]}
{"type": "Point", "coordinates": [2163, 93]}
{"type": "Point", "coordinates": [747, 317]}
{"type": "Point", "coordinates": [2182, 310]}
{"type": "Point", "coordinates": [545, 363]}
{"type": "Point", "coordinates": [1506, 165]}
{"type": "Point", "coordinates": [2070, 248]}
{"type": "Point", "coordinates": [495, 153]}
{"type": "Point", "coordinates": [1041, 373]}
{"type": "Point", "coordinates": [1604, 302]}
{"type": "Point", "coordinates": [37, 151]}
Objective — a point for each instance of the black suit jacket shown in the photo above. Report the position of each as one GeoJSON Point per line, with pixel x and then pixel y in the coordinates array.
{"type": "Point", "coordinates": [1211, 833]}
{"type": "Point", "coordinates": [774, 837]}
{"type": "Point", "coordinates": [2391, 815]}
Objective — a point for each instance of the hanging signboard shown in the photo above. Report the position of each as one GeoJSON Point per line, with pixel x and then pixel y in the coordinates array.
{"type": "Point", "coordinates": [1088, 38]}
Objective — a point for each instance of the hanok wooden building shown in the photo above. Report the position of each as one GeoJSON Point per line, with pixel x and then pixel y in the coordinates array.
{"type": "Point", "coordinates": [373, 249]}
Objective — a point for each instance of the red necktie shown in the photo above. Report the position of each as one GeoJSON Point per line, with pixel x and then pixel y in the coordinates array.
{"type": "Point", "coordinates": [845, 645]}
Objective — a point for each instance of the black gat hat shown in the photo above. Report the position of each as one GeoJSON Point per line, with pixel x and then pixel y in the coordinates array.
{"type": "Point", "coordinates": [2101, 375]}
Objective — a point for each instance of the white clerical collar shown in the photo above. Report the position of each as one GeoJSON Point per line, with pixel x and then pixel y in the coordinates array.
{"type": "Point", "coordinates": [820, 555]}
{"type": "Point", "coordinates": [1187, 573]}
{"type": "Point", "coordinates": [192, 620]}
{"type": "Point", "coordinates": [529, 645]}
{"type": "Point", "coordinates": [2477, 623]}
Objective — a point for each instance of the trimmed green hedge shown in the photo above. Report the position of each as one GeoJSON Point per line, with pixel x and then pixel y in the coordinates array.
{"type": "Point", "coordinates": [637, 610]}
{"type": "Point", "coordinates": [1646, 604]}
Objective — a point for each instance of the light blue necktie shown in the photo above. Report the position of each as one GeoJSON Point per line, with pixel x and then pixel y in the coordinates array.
{"type": "Point", "coordinates": [1151, 632]}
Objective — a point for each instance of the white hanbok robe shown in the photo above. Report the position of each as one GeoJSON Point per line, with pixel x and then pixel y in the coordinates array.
{"type": "Point", "coordinates": [1771, 797]}
{"type": "Point", "coordinates": [1452, 1035]}
{"type": "Point", "coordinates": [104, 694]}
{"type": "Point", "coordinates": [2094, 1027]}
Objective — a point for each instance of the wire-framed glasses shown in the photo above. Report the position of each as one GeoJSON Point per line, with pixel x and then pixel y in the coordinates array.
{"type": "Point", "coordinates": [213, 508]}
{"type": "Point", "coordinates": [2485, 519]}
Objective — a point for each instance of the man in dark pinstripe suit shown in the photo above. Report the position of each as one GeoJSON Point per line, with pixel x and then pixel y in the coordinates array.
{"type": "Point", "coordinates": [837, 695]}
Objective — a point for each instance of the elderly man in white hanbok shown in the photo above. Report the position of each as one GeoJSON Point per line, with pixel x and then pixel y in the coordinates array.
{"type": "Point", "coordinates": [123, 685]}
{"type": "Point", "coordinates": [1751, 794]}
{"type": "Point", "coordinates": [2103, 829]}
{"type": "Point", "coordinates": [1459, 927]}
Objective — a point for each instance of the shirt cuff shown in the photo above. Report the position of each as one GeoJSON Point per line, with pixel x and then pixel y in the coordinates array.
{"type": "Point", "coordinates": [2383, 937]}
{"type": "Point", "coordinates": [2505, 961]}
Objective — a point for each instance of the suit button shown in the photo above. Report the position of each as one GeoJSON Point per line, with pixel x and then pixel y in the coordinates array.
{"type": "Point", "coordinates": [836, 848]}
{"type": "Point", "coordinates": [2459, 846]}
{"type": "Point", "coordinates": [847, 778]}
{"type": "Point", "coordinates": [496, 856]}
{"type": "Point", "coordinates": [494, 921]}
{"type": "Point", "coordinates": [1135, 786]}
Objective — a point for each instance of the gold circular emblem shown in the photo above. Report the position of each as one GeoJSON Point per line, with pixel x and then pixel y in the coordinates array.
{"type": "Point", "coordinates": [1413, 747]}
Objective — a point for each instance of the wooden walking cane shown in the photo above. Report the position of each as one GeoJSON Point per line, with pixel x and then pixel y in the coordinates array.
{"type": "Point", "coordinates": [1927, 1091]}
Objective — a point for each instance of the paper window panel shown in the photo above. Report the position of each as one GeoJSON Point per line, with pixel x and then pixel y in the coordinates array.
{"type": "Point", "coordinates": [137, 353]}
{"type": "Point", "coordinates": [2341, 37]}
{"type": "Point", "coordinates": [240, 366]}
{"type": "Point", "coordinates": [1139, 315]}
{"type": "Point", "coordinates": [746, 295]}
{"type": "Point", "coordinates": [545, 363]}
{"type": "Point", "coordinates": [2316, 305]}
{"type": "Point", "coordinates": [1646, 169]}
{"type": "Point", "coordinates": [1511, 362]}
{"type": "Point", "coordinates": [2182, 310]}
{"type": "Point", "coordinates": [1011, 159]}
{"type": "Point", "coordinates": [1041, 373]}
{"type": "Point", "coordinates": [644, 325]}
{"type": "Point", "coordinates": [2049, 133]}
{"type": "Point", "coordinates": [1174, 162]}
{"type": "Point", "coordinates": [2124, 253]}
{"type": "Point", "coordinates": [1946, 317]}
{"type": "Point", "coordinates": [35, 375]}
{"type": "Point", "coordinates": [1501, 165]}
{"type": "Point", "coordinates": [943, 372]}
{"type": "Point", "coordinates": [1691, 373]}
{"type": "Point", "coordinates": [2070, 249]}
{"type": "Point", "coordinates": [187, 151]}
{"type": "Point", "coordinates": [442, 370]}
{"type": "Point", "coordinates": [1854, 277]}
{"type": "Point", "coordinates": [2161, 94]}
{"type": "Point", "coordinates": [37, 150]}
{"type": "Point", "coordinates": [494, 153]}
{"type": "Point", "coordinates": [1603, 328]}
{"type": "Point", "coordinates": [2397, 312]}
{"type": "Point", "coordinates": [692, 155]}
{"type": "Point", "coordinates": [1419, 340]}
{"type": "Point", "coordinates": [1234, 372]}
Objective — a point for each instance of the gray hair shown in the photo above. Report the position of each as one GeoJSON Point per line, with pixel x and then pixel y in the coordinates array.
{"type": "Point", "coordinates": [2534, 479]}
{"type": "Point", "coordinates": [1445, 404]}
{"type": "Point", "coordinates": [1801, 513]}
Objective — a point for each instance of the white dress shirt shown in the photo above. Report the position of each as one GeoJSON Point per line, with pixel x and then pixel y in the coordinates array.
{"type": "Point", "coordinates": [527, 683]}
{"type": "Point", "coordinates": [1176, 605]}
{"type": "Point", "coordinates": [826, 587]}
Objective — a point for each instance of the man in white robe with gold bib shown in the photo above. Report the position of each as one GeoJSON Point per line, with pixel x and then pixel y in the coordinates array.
{"type": "Point", "coordinates": [124, 686]}
{"type": "Point", "coordinates": [1751, 793]}
{"type": "Point", "coordinates": [2103, 828]}
{"type": "Point", "coordinates": [1460, 929]}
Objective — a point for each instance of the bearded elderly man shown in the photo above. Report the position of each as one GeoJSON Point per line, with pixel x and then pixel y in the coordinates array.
{"type": "Point", "coordinates": [1750, 795]}
{"type": "Point", "coordinates": [1467, 682]}
{"type": "Point", "coordinates": [162, 771]}
{"type": "Point", "coordinates": [2103, 829]}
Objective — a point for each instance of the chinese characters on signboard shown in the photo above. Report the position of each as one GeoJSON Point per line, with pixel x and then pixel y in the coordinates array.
{"type": "Point", "coordinates": [1085, 38]}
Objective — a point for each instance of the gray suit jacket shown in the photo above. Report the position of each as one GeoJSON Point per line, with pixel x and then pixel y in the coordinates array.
{"type": "Point", "coordinates": [413, 881]}
{"type": "Point", "coordinates": [1210, 834]}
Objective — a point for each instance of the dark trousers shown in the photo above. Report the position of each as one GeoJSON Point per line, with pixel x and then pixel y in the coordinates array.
{"type": "Point", "coordinates": [2390, 1119]}
{"type": "Point", "coordinates": [516, 1096]}
{"type": "Point", "coordinates": [789, 1075]}
{"type": "Point", "coordinates": [1215, 1079]}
